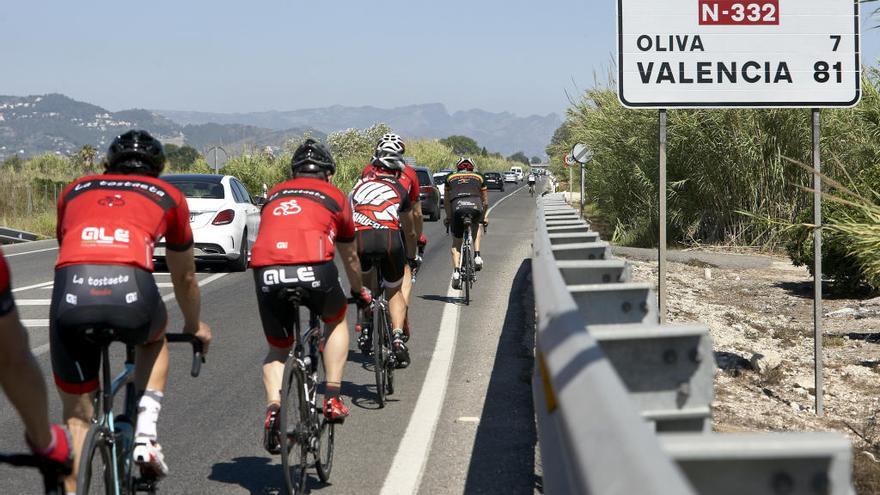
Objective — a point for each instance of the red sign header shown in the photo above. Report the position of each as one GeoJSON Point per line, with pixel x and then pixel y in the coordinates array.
{"type": "Point", "coordinates": [739, 13]}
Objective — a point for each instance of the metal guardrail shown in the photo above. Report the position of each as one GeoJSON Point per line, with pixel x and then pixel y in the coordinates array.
{"type": "Point", "coordinates": [12, 236]}
{"type": "Point", "coordinates": [624, 404]}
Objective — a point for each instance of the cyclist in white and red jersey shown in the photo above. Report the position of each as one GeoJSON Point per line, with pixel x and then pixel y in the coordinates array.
{"type": "Point", "coordinates": [385, 232]}
{"type": "Point", "coordinates": [107, 227]}
{"type": "Point", "coordinates": [304, 222]}
{"type": "Point", "coordinates": [410, 181]}
{"type": "Point", "coordinates": [22, 381]}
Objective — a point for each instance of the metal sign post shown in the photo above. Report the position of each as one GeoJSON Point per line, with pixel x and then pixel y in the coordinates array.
{"type": "Point", "coordinates": [582, 155]}
{"type": "Point", "coordinates": [661, 242]}
{"type": "Point", "coordinates": [817, 264]}
{"type": "Point", "coordinates": [583, 189]}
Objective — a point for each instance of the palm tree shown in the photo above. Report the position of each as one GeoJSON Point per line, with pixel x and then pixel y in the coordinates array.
{"type": "Point", "coordinates": [86, 156]}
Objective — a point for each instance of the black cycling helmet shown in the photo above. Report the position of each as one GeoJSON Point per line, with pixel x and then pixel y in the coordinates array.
{"type": "Point", "coordinates": [312, 157]}
{"type": "Point", "coordinates": [136, 152]}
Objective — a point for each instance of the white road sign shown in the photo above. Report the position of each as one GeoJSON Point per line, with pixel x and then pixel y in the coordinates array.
{"type": "Point", "coordinates": [581, 153]}
{"type": "Point", "coordinates": [738, 53]}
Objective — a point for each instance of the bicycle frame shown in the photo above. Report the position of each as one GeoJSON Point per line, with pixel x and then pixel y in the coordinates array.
{"type": "Point", "coordinates": [104, 413]}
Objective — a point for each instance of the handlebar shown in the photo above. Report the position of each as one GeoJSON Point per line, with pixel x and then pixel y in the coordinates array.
{"type": "Point", "coordinates": [197, 347]}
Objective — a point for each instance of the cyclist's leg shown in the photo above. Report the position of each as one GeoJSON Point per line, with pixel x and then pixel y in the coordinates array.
{"type": "Point", "coordinates": [276, 318]}
{"type": "Point", "coordinates": [329, 300]}
{"type": "Point", "coordinates": [394, 272]}
{"type": "Point", "coordinates": [457, 229]}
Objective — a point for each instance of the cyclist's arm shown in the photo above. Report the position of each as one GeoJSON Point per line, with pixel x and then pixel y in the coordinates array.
{"type": "Point", "coordinates": [186, 287]}
{"type": "Point", "coordinates": [408, 223]}
{"type": "Point", "coordinates": [352, 264]}
{"type": "Point", "coordinates": [484, 197]}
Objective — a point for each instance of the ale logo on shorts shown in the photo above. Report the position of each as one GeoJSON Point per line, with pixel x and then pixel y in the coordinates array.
{"type": "Point", "coordinates": [287, 208]}
{"type": "Point", "coordinates": [275, 276]}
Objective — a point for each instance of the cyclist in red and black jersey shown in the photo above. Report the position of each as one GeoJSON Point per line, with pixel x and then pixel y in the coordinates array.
{"type": "Point", "coordinates": [22, 381]}
{"type": "Point", "coordinates": [385, 227]}
{"type": "Point", "coordinates": [304, 221]}
{"type": "Point", "coordinates": [107, 227]}
{"type": "Point", "coordinates": [410, 181]}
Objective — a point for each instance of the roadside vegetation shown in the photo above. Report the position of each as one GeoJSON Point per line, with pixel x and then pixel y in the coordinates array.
{"type": "Point", "coordinates": [30, 187]}
{"type": "Point", "coordinates": [735, 177]}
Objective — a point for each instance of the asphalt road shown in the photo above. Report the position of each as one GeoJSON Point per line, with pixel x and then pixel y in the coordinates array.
{"type": "Point", "coordinates": [461, 420]}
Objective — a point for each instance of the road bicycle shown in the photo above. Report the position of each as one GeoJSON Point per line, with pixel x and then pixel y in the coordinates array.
{"type": "Point", "coordinates": [379, 333]}
{"type": "Point", "coordinates": [306, 432]}
{"type": "Point", "coordinates": [466, 266]}
{"type": "Point", "coordinates": [531, 189]}
{"type": "Point", "coordinates": [106, 464]}
{"type": "Point", "coordinates": [52, 473]}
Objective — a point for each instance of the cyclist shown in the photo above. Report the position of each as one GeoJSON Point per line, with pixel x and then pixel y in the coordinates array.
{"type": "Point", "coordinates": [303, 221]}
{"type": "Point", "coordinates": [532, 180]}
{"type": "Point", "coordinates": [21, 379]}
{"type": "Point", "coordinates": [410, 182]}
{"type": "Point", "coordinates": [107, 227]}
{"type": "Point", "coordinates": [466, 194]}
{"type": "Point", "coordinates": [385, 228]}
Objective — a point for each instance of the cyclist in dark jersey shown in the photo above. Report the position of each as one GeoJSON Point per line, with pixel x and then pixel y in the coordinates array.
{"type": "Point", "coordinates": [108, 226]}
{"type": "Point", "coordinates": [22, 381]}
{"type": "Point", "coordinates": [410, 182]}
{"type": "Point", "coordinates": [466, 194]}
{"type": "Point", "coordinates": [385, 229]}
{"type": "Point", "coordinates": [304, 221]}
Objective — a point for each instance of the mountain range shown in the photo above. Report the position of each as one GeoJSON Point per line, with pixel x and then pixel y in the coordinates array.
{"type": "Point", "coordinates": [55, 123]}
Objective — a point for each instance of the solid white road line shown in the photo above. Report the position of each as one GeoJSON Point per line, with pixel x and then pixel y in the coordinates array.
{"type": "Point", "coordinates": [44, 323]}
{"type": "Point", "coordinates": [33, 302]}
{"type": "Point", "coordinates": [35, 286]}
{"type": "Point", "coordinates": [31, 252]}
{"type": "Point", "coordinates": [415, 446]}
{"type": "Point", "coordinates": [164, 285]}
{"type": "Point", "coordinates": [406, 471]}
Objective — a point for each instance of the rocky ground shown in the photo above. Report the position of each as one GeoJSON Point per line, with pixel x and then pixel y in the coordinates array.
{"type": "Point", "coordinates": [761, 321]}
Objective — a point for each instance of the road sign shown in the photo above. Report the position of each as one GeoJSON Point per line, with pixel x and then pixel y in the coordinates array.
{"type": "Point", "coordinates": [738, 53]}
{"type": "Point", "coordinates": [569, 161]}
{"type": "Point", "coordinates": [581, 154]}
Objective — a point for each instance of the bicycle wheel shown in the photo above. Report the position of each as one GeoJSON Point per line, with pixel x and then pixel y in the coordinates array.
{"type": "Point", "coordinates": [379, 355]}
{"type": "Point", "coordinates": [96, 464]}
{"type": "Point", "coordinates": [294, 425]}
{"type": "Point", "coordinates": [389, 364]}
{"type": "Point", "coordinates": [466, 272]}
{"type": "Point", "coordinates": [324, 455]}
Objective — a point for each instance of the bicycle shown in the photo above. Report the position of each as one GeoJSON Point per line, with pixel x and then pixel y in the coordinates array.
{"type": "Point", "coordinates": [52, 473]}
{"type": "Point", "coordinates": [466, 266]}
{"type": "Point", "coordinates": [531, 189]}
{"type": "Point", "coordinates": [380, 333]}
{"type": "Point", "coordinates": [300, 417]}
{"type": "Point", "coordinates": [111, 437]}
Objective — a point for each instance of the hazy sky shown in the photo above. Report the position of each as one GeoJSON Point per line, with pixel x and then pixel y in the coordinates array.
{"type": "Point", "coordinates": [238, 56]}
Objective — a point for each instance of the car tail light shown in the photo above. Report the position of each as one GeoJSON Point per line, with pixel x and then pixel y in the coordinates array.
{"type": "Point", "coordinates": [224, 217]}
{"type": "Point", "coordinates": [425, 189]}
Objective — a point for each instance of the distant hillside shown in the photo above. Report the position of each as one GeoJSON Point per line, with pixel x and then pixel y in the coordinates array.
{"type": "Point", "coordinates": [54, 123]}
{"type": "Point", "coordinates": [502, 132]}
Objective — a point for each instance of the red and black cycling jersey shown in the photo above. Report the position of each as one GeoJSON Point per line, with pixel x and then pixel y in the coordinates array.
{"type": "Point", "coordinates": [408, 179]}
{"type": "Point", "coordinates": [378, 203]}
{"type": "Point", "coordinates": [7, 304]}
{"type": "Point", "coordinates": [464, 184]}
{"type": "Point", "coordinates": [301, 221]}
{"type": "Point", "coordinates": [117, 219]}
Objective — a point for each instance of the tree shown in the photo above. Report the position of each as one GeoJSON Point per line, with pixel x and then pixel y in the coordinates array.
{"type": "Point", "coordinates": [535, 160]}
{"type": "Point", "coordinates": [519, 156]}
{"type": "Point", "coordinates": [85, 157]}
{"type": "Point", "coordinates": [484, 151]}
{"type": "Point", "coordinates": [181, 157]}
{"type": "Point", "coordinates": [462, 145]}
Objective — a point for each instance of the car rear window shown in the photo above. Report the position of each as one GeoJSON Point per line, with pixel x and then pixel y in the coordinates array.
{"type": "Point", "coordinates": [492, 175]}
{"type": "Point", "coordinates": [199, 189]}
{"type": "Point", "coordinates": [424, 178]}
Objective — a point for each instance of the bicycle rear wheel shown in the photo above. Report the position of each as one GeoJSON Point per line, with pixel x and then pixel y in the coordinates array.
{"type": "Point", "coordinates": [294, 426]}
{"type": "Point", "coordinates": [324, 455]}
{"type": "Point", "coordinates": [379, 356]}
{"type": "Point", "coordinates": [389, 363]}
{"type": "Point", "coordinates": [467, 272]}
{"type": "Point", "coordinates": [96, 464]}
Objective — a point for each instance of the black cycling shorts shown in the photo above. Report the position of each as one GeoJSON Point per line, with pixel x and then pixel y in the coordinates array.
{"type": "Point", "coordinates": [324, 297]}
{"type": "Point", "coordinates": [462, 207]}
{"type": "Point", "coordinates": [122, 298]}
{"type": "Point", "coordinates": [386, 245]}
{"type": "Point", "coordinates": [7, 303]}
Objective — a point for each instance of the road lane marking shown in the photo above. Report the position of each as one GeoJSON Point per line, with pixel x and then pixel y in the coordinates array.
{"type": "Point", "coordinates": [33, 302]}
{"type": "Point", "coordinates": [35, 286]}
{"type": "Point", "coordinates": [44, 323]}
{"type": "Point", "coordinates": [164, 285]}
{"type": "Point", "coordinates": [409, 462]}
{"type": "Point", "coordinates": [31, 252]}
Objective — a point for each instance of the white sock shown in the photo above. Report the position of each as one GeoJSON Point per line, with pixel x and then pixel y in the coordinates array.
{"type": "Point", "coordinates": [148, 414]}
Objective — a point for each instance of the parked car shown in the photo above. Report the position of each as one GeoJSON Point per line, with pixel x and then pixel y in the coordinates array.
{"type": "Point", "coordinates": [440, 181]}
{"type": "Point", "coordinates": [510, 177]}
{"type": "Point", "coordinates": [519, 173]}
{"type": "Point", "coordinates": [494, 181]}
{"type": "Point", "coordinates": [223, 216]}
{"type": "Point", "coordinates": [429, 193]}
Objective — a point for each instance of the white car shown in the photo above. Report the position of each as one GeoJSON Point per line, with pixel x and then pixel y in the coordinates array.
{"type": "Point", "coordinates": [440, 182]}
{"type": "Point", "coordinates": [510, 177]}
{"type": "Point", "coordinates": [518, 171]}
{"type": "Point", "coordinates": [223, 216]}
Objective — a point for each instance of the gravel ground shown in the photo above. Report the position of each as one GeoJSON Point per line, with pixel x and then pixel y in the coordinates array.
{"type": "Point", "coordinates": [769, 311]}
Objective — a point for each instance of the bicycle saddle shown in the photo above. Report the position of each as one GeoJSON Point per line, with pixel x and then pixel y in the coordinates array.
{"type": "Point", "coordinates": [293, 294]}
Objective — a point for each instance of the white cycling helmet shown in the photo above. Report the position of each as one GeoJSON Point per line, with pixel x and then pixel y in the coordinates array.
{"type": "Point", "coordinates": [390, 142]}
{"type": "Point", "coordinates": [388, 158]}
